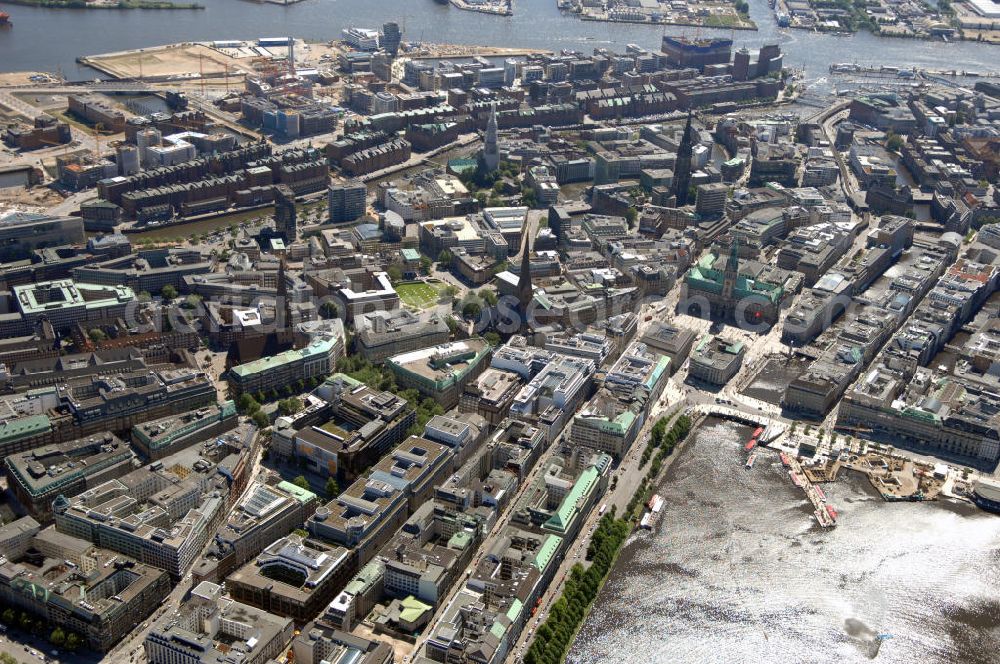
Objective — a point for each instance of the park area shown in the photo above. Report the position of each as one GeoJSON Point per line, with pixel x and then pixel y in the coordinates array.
{"type": "Point", "coordinates": [420, 294]}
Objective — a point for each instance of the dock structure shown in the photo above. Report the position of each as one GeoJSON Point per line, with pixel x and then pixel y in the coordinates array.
{"type": "Point", "coordinates": [822, 510]}
{"type": "Point", "coordinates": [772, 428]}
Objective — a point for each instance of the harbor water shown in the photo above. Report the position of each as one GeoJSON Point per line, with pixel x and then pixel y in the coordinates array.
{"type": "Point", "coordinates": [52, 39]}
{"type": "Point", "coordinates": [736, 569]}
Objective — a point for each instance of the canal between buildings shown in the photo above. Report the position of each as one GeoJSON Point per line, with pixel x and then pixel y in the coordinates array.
{"type": "Point", "coordinates": [737, 570]}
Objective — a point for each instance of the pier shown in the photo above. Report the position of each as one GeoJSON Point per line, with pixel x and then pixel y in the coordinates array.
{"type": "Point", "coordinates": [772, 428]}
{"type": "Point", "coordinates": [823, 511]}
{"type": "Point", "coordinates": [911, 73]}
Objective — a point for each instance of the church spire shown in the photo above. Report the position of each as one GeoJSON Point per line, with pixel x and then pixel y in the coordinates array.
{"type": "Point", "coordinates": [524, 290]}
{"type": "Point", "coordinates": [733, 264]}
{"type": "Point", "coordinates": [491, 147]}
{"type": "Point", "coordinates": [283, 303]}
{"type": "Point", "coordinates": [682, 166]}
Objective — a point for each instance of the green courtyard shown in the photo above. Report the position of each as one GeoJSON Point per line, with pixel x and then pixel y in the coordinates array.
{"type": "Point", "coordinates": [419, 294]}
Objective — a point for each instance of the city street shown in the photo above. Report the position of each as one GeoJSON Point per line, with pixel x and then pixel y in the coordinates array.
{"type": "Point", "coordinates": [131, 649]}
{"type": "Point", "coordinates": [498, 528]}
{"type": "Point", "coordinates": [630, 474]}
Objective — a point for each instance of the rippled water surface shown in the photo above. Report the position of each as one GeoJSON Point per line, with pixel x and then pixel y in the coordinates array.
{"type": "Point", "coordinates": [736, 570]}
{"type": "Point", "coordinates": [48, 39]}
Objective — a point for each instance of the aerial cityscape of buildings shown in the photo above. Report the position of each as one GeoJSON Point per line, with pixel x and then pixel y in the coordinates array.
{"type": "Point", "coordinates": [370, 350]}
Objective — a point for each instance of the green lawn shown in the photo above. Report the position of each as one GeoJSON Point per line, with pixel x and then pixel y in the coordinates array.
{"type": "Point", "coordinates": [418, 294]}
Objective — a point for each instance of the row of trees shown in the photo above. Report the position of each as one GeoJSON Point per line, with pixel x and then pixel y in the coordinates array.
{"type": "Point", "coordinates": [660, 438]}
{"type": "Point", "coordinates": [555, 635]}
{"type": "Point", "coordinates": [32, 624]}
{"type": "Point", "coordinates": [395, 270]}
{"type": "Point", "coordinates": [380, 378]}
{"type": "Point", "coordinates": [249, 406]}
{"type": "Point", "coordinates": [331, 487]}
{"type": "Point", "coordinates": [65, 639]}
{"type": "Point", "coordinates": [360, 369]}
{"type": "Point", "coordinates": [290, 406]}
{"type": "Point", "coordinates": [475, 302]}
{"type": "Point", "coordinates": [661, 442]}
{"type": "Point", "coordinates": [483, 178]}
{"type": "Point", "coordinates": [289, 391]}
{"type": "Point", "coordinates": [426, 409]}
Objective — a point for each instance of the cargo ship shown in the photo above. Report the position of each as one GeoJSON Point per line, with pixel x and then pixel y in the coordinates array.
{"type": "Point", "coordinates": [832, 512]}
{"type": "Point", "coordinates": [750, 460]}
{"type": "Point", "coordinates": [655, 503]}
{"type": "Point", "coordinates": [785, 461]}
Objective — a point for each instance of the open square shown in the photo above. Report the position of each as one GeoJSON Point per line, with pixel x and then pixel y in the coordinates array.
{"type": "Point", "coordinates": [418, 294]}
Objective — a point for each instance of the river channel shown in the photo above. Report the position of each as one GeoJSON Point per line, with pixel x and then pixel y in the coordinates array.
{"type": "Point", "coordinates": [52, 39]}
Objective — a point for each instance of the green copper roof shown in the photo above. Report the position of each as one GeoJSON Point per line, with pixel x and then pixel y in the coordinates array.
{"type": "Point", "coordinates": [297, 492]}
{"type": "Point", "coordinates": [23, 427]}
{"type": "Point", "coordinates": [515, 610]}
{"type": "Point", "coordinates": [570, 506]}
{"type": "Point", "coordinates": [657, 372]}
{"type": "Point", "coordinates": [702, 276]}
{"type": "Point", "coordinates": [364, 579]}
{"type": "Point", "coordinates": [319, 346]}
{"type": "Point", "coordinates": [158, 441]}
{"type": "Point", "coordinates": [412, 609]}
{"type": "Point", "coordinates": [347, 380]}
{"type": "Point", "coordinates": [37, 298]}
{"type": "Point", "coordinates": [617, 426]}
{"type": "Point", "coordinates": [547, 551]}
{"type": "Point", "coordinates": [498, 630]}
{"type": "Point", "coordinates": [459, 540]}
